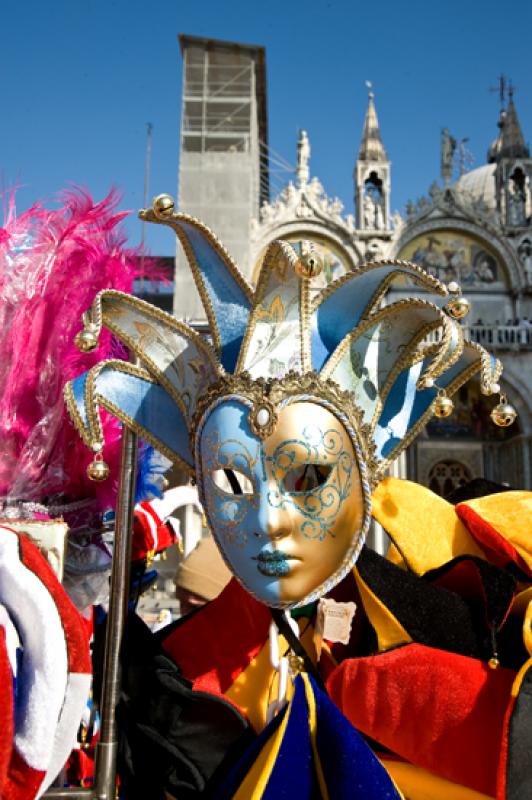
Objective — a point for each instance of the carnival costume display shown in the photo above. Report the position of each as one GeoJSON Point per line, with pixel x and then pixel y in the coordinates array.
{"type": "Point", "coordinates": [288, 416]}
{"type": "Point", "coordinates": [55, 542]}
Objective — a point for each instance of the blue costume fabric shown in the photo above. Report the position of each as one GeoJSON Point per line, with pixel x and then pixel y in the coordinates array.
{"type": "Point", "coordinates": [320, 755]}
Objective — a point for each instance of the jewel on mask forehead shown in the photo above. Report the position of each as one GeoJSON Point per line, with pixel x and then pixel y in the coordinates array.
{"type": "Point", "coordinates": [262, 418]}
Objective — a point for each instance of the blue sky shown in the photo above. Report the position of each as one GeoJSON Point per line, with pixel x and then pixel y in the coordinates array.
{"type": "Point", "coordinates": [81, 78]}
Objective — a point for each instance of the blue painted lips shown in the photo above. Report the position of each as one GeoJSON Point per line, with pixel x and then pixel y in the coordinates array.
{"type": "Point", "coordinates": [273, 565]}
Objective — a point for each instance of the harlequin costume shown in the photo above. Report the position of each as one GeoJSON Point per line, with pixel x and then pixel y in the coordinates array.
{"type": "Point", "coordinates": [288, 417]}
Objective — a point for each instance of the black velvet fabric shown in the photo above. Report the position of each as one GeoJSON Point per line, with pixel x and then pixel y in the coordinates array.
{"type": "Point", "coordinates": [478, 487]}
{"type": "Point", "coordinates": [438, 616]}
{"type": "Point", "coordinates": [171, 738]}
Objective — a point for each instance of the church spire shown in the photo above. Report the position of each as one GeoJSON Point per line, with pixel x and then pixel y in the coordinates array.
{"type": "Point", "coordinates": [371, 146]}
{"type": "Point", "coordinates": [513, 170]}
{"type": "Point", "coordinates": [512, 139]}
{"type": "Point", "coordinates": [372, 175]}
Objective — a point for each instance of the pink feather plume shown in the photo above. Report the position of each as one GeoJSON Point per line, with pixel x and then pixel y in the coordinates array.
{"type": "Point", "coordinates": [52, 264]}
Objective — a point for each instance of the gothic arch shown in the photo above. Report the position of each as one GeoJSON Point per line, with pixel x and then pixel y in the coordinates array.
{"type": "Point", "coordinates": [339, 242]}
{"type": "Point", "coordinates": [447, 475]}
{"type": "Point", "coordinates": [508, 258]}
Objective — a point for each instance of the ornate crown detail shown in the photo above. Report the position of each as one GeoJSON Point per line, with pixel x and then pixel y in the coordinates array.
{"type": "Point", "coordinates": [383, 370]}
{"type": "Point", "coordinates": [269, 394]}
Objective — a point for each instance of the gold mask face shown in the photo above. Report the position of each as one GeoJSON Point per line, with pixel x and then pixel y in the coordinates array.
{"type": "Point", "coordinates": [285, 511]}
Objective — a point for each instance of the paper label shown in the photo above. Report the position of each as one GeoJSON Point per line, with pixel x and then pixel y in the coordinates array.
{"type": "Point", "coordinates": [335, 620]}
{"type": "Point", "coordinates": [49, 535]}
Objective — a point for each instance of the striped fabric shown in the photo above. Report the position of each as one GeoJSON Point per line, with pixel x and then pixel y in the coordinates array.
{"type": "Point", "coordinates": [310, 750]}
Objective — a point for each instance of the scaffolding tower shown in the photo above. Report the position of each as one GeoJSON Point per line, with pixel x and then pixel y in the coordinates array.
{"type": "Point", "coordinates": [223, 176]}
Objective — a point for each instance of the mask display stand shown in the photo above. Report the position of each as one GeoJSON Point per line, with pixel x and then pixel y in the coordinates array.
{"type": "Point", "coordinates": [104, 787]}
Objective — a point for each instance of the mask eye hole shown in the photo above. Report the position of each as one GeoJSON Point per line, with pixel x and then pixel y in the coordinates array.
{"type": "Point", "coordinates": [306, 477]}
{"type": "Point", "coordinates": [231, 481]}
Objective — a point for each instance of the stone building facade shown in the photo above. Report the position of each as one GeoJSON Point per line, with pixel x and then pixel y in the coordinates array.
{"type": "Point", "coordinates": [478, 232]}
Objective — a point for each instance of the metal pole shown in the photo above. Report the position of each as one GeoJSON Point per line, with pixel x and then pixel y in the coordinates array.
{"type": "Point", "coordinates": [106, 749]}
{"type": "Point", "coordinates": [107, 746]}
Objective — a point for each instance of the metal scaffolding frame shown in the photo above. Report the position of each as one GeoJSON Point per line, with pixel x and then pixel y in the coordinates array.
{"type": "Point", "coordinates": [223, 165]}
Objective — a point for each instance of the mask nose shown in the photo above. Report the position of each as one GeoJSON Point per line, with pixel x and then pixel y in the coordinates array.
{"type": "Point", "coordinates": [274, 521]}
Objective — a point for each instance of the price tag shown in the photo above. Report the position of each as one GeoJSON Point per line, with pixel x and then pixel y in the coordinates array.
{"type": "Point", "coordinates": [334, 620]}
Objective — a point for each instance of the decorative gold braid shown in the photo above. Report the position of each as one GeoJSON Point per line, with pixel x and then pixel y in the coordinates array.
{"type": "Point", "coordinates": [95, 423]}
{"type": "Point", "coordinates": [68, 395]}
{"type": "Point", "coordinates": [435, 368]}
{"type": "Point", "coordinates": [420, 276]}
{"type": "Point", "coordinates": [408, 359]}
{"type": "Point", "coordinates": [304, 323]}
{"type": "Point", "coordinates": [92, 318]}
{"type": "Point", "coordinates": [441, 361]}
{"type": "Point", "coordinates": [90, 393]}
{"type": "Point", "coordinates": [143, 433]}
{"type": "Point", "coordinates": [272, 253]}
{"type": "Point", "coordinates": [275, 390]}
{"type": "Point", "coordinates": [162, 316]}
{"type": "Point", "coordinates": [488, 375]}
{"type": "Point", "coordinates": [383, 287]}
{"type": "Point", "coordinates": [453, 387]}
{"type": "Point", "coordinates": [334, 359]}
{"type": "Point", "coordinates": [97, 310]}
{"type": "Point", "coordinates": [216, 244]}
{"type": "Point", "coordinates": [157, 373]}
{"type": "Point", "coordinates": [93, 434]}
{"type": "Point", "coordinates": [276, 250]}
{"type": "Point", "coordinates": [170, 322]}
{"type": "Point", "coordinates": [173, 221]}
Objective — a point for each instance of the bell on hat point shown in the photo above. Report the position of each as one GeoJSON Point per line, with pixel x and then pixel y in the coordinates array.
{"type": "Point", "coordinates": [504, 414]}
{"type": "Point", "coordinates": [163, 206]}
{"type": "Point", "coordinates": [442, 405]}
{"type": "Point", "coordinates": [98, 470]}
{"type": "Point", "coordinates": [86, 341]}
{"type": "Point", "coordinates": [309, 264]}
{"type": "Point", "coordinates": [458, 307]}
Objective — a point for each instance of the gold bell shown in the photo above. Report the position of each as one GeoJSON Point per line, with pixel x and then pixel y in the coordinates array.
{"type": "Point", "coordinates": [494, 662]}
{"type": "Point", "coordinates": [458, 307]}
{"type": "Point", "coordinates": [442, 405]}
{"type": "Point", "coordinates": [98, 470]}
{"type": "Point", "coordinates": [86, 340]}
{"type": "Point", "coordinates": [163, 206]}
{"type": "Point", "coordinates": [504, 414]}
{"type": "Point", "coordinates": [309, 264]}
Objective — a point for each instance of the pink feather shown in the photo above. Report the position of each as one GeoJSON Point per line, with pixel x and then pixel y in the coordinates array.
{"type": "Point", "coordinates": [52, 264]}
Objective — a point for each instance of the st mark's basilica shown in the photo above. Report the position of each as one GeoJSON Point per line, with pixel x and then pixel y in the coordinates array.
{"type": "Point", "coordinates": [476, 231]}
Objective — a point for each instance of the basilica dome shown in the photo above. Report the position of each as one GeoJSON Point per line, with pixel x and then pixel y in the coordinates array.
{"type": "Point", "coordinates": [479, 184]}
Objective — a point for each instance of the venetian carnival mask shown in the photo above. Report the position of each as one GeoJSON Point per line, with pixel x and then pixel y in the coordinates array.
{"type": "Point", "coordinates": [292, 410]}
{"type": "Point", "coordinates": [287, 510]}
